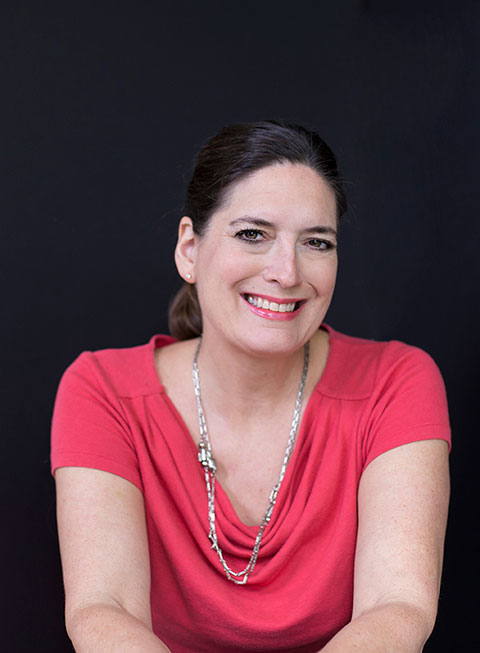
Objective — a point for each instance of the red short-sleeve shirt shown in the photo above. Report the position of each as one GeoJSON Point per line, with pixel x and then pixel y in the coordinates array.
{"type": "Point", "coordinates": [112, 414]}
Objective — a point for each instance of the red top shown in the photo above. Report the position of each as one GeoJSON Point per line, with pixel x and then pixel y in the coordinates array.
{"type": "Point", "coordinates": [112, 413]}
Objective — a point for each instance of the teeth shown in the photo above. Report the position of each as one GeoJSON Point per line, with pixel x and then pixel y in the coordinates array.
{"type": "Point", "coordinates": [271, 306]}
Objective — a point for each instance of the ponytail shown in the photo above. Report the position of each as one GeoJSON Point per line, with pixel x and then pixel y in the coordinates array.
{"type": "Point", "coordinates": [184, 314]}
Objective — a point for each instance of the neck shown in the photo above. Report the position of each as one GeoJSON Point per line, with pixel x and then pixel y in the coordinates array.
{"type": "Point", "coordinates": [238, 382]}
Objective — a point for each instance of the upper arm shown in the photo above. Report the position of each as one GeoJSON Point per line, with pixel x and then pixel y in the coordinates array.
{"type": "Point", "coordinates": [103, 541]}
{"type": "Point", "coordinates": [402, 511]}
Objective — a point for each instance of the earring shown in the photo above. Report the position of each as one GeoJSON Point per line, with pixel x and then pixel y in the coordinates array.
{"type": "Point", "coordinates": [188, 275]}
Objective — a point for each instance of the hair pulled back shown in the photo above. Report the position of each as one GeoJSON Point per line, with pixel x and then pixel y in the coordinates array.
{"type": "Point", "coordinates": [234, 153]}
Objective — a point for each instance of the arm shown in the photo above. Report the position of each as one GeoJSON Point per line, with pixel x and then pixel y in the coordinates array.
{"type": "Point", "coordinates": [402, 509]}
{"type": "Point", "coordinates": [105, 560]}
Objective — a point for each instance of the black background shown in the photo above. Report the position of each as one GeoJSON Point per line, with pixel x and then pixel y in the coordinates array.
{"type": "Point", "coordinates": [103, 107]}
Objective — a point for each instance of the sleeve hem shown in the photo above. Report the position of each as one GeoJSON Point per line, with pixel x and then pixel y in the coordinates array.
{"type": "Point", "coordinates": [73, 459]}
{"type": "Point", "coordinates": [435, 432]}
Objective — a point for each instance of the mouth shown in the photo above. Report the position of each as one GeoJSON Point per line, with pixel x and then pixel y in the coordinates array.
{"type": "Point", "coordinates": [274, 305]}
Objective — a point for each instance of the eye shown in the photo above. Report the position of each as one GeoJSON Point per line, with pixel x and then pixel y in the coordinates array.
{"type": "Point", "coordinates": [251, 235]}
{"type": "Point", "coordinates": [318, 243]}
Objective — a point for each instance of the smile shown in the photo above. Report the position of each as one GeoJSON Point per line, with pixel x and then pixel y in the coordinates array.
{"type": "Point", "coordinates": [260, 302]}
{"type": "Point", "coordinates": [272, 308]}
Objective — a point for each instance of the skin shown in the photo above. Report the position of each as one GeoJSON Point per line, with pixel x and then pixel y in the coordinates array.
{"type": "Point", "coordinates": [247, 359]}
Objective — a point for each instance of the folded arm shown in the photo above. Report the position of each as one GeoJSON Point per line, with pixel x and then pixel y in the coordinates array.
{"type": "Point", "coordinates": [402, 511]}
{"type": "Point", "coordinates": [106, 565]}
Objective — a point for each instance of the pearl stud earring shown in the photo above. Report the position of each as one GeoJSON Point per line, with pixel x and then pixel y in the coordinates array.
{"type": "Point", "coordinates": [188, 275]}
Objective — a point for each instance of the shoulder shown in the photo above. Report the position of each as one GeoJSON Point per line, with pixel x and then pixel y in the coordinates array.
{"type": "Point", "coordinates": [125, 372]}
{"type": "Point", "coordinates": [357, 367]}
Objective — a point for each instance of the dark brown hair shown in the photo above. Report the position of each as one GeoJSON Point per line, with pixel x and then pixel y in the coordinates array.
{"type": "Point", "coordinates": [234, 153]}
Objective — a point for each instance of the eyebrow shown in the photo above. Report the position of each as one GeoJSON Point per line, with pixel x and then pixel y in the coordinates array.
{"type": "Point", "coordinates": [260, 222]}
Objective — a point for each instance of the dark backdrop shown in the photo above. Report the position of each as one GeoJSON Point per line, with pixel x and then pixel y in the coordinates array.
{"type": "Point", "coordinates": [103, 105]}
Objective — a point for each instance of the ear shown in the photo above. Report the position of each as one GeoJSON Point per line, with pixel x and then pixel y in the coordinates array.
{"type": "Point", "coordinates": [186, 249]}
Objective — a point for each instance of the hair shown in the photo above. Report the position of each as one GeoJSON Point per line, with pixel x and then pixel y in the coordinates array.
{"type": "Point", "coordinates": [235, 152]}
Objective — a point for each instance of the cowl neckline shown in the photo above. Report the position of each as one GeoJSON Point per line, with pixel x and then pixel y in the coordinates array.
{"type": "Point", "coordinates": [227, 517]}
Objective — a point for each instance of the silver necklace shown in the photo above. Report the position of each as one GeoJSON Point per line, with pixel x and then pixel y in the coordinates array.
{"type": "Point", "coordinates": [208, 463]}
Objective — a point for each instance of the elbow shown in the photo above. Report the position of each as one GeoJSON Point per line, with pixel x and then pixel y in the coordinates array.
{"type": "Point", "coordinates": [89, 622]}
{"type": "Point", "coordinates": [81, 622]}
{"type": "Point", "coordinates": [415, 620]}
{"type": "Point", "coordinates": [421, 618]}
{"type": "Point", "coordinates": [403, 620]}
{"type": "Point", "coordinates": [107, 626]}
{"type": "Point", "coordinates": [100, 625]}
{"type": "Point", "coordinates": [429, 618]}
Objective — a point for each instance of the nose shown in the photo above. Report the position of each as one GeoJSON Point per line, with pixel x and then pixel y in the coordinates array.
{"type": "Point", "coordinates": [282, 267]}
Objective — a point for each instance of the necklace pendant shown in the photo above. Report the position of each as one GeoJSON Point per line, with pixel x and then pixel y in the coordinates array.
{"type": "Point", "coordinates": [205, 458]}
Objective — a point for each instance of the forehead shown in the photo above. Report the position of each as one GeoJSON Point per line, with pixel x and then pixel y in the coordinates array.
{"type": "Point", "coordinates": [282, 191]}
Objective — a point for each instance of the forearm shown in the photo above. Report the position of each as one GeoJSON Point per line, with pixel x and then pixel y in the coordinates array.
{"type": "Point", "coordinates": [397, 627]}
{"type": "Point", "coordinates": [110, 628]}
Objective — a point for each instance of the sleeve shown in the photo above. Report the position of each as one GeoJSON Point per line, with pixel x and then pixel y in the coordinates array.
{"type": "Point", "coordinates": [409, 404]}
{"type": "Point", "coordinates": [89, 428]}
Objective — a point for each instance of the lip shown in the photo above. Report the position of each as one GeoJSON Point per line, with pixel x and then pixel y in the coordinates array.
{"type": "Point", "coordinates": [275, 315]}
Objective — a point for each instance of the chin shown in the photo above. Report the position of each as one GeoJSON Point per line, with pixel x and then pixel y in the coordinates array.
{"type": "Point", "coordinates": [272, 342]}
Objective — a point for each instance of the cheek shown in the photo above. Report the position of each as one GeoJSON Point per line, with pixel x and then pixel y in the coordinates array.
{"type": "Point", "coordinates": [217, 272]}
{"type": "Point", "coordinates": [333, 271]}
{"type": "Point", "coordinates": [325, 275]}
{"type": "Point", "coordinates": [229, 267]}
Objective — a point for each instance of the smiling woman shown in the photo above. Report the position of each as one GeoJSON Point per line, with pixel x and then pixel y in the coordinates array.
{"type": "Point", "coordinates": [274, 240]}
{"type": "Point", "coordinates": [255, 481]}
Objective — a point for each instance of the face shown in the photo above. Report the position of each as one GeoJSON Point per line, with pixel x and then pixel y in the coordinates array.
{"type": "Point", "coordinates": [265, 268]}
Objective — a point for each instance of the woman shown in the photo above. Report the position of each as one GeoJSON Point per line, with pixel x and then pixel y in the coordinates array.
{"type": "Point", "coordinates": [273, 485]}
